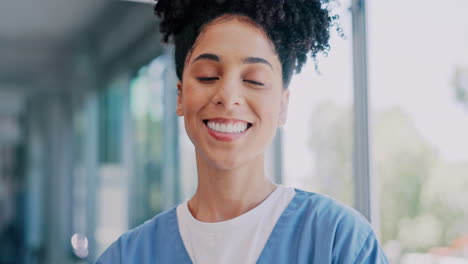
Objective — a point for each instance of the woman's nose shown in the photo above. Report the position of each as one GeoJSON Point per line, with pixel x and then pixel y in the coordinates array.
{"type": "Point", "coordinates": [228, 94]}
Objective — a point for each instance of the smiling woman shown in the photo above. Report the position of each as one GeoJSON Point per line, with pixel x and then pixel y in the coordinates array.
{"type": "Point", "coordinates": [234, 61]}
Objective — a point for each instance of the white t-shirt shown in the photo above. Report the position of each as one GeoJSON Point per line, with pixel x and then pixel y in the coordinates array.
{"type": "Point", "coordinates": [238, 240]}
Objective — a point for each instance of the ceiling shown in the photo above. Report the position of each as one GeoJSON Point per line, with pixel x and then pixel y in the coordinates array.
{"type": "Point", "coordinates": [47, 20]}
{"type": "Point", "coordinates": [36, 36]}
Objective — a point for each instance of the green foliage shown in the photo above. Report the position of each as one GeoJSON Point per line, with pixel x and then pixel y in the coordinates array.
{"type": "Point", "coordinates": [331, 143]}
{"type": "Point", "coordinates": [444, 195]}
{"type": "Point", "coordinates": [403, 161]}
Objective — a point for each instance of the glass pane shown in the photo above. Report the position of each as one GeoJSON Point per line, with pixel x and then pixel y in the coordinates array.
{"type": "Point", "coordinates": [318, 132]}
{"type": "Point", "coordinates": [113, 176]}
{"type": "Point", "coordinates": [418, 57]}
{"type": "Point", "coordinates": [110, 123]}
{"type": "Point", "coordinates": [146, 100]}
{"type": "Point", "coordinates": [79, 171]}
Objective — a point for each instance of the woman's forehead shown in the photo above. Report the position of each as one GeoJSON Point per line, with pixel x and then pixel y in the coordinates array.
{"type": "Point", "coordinates": [234, 39]}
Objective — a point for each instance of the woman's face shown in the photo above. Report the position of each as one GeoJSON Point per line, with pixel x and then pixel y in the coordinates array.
{"type": "Point", "coordinates": [231, 94]}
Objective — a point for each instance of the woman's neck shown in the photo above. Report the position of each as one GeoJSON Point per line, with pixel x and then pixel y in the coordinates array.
{"type": "Point", "coordinates": [225, 194]}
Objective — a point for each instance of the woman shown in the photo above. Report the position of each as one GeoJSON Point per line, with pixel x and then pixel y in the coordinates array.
{"type": "Point", "coordinates": [234, 60]}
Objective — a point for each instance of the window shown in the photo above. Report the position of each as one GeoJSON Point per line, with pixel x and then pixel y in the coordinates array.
{"type": "Point", "coordinates": [146, 104]}
{"type": "Point", "coordinates": [113, 169]}
{"type": "Point", "coordinates": [318, 133]}
{"type": "Point", "coordinates": [418, 57]}
{"type": "Point", "coordinates": [110, 122]}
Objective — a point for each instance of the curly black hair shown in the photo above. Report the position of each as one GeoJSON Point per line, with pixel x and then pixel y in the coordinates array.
{"type": "Point", "coordinates": [295, 27]}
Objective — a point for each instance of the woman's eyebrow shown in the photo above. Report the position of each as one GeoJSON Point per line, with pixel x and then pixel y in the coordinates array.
{"type": "Point", "coordinates": [207, 56]}
{"type": "Point", "coordinates": [247, 60]}
{"type": "Point", "coordinates": [250, 60]}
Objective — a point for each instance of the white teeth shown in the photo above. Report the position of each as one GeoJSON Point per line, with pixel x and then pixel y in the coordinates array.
{"type": "Point", "coordinates": [228, 128]}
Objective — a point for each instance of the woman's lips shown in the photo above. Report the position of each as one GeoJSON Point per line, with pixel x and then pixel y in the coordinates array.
{"type": "Point", "coordinates": [226, 137]}
{"type": "Point", "coordinates": [221, 120]}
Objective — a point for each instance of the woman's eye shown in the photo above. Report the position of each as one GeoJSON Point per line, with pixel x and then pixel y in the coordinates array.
{"type": "Point", "coordinates": [207, 79]}
{"type": "Point", "coordinates": [254, 82]}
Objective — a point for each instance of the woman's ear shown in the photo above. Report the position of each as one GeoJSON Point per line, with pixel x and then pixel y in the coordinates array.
{"type": "Point", "coordinates": [179, 108]}
{"type": "Point", "coordinates": [283, 114]}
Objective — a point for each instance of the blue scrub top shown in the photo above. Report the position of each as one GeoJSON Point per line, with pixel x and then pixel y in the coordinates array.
{"type": "Point", "coordinates": [312, 229]}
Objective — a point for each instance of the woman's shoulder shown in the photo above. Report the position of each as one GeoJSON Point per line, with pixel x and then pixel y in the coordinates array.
{"type": "Point", "coordinates": [331, 225]}
{"type": "Point", "coordinates": [327, 209]}
{"type": "Point", "coordinates": [132, 247]}
{"type": "Point", "coordinates": [159, 221]}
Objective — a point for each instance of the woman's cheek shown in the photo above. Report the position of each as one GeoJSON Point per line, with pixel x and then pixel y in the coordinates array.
{"type": "Point", "coordinates": [195, 100]}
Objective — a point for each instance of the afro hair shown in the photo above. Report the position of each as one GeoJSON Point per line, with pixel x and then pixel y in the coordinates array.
{"type": "Point", "coordinates": [295, 27]}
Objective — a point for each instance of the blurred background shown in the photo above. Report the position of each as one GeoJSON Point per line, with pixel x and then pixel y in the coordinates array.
{"type": "Point", "coordinates": [90, 145]}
